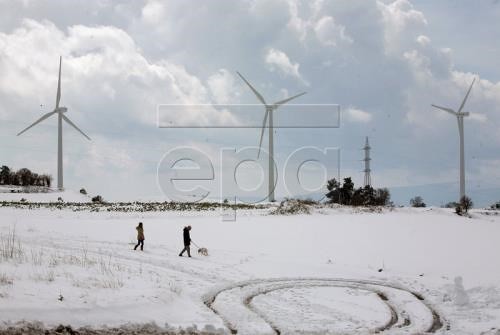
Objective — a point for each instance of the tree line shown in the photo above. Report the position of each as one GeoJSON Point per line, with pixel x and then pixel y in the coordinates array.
{"type": "Point", "coordinates": [23, 177]}
{"type": "Point", "coordinates": [347, 194]}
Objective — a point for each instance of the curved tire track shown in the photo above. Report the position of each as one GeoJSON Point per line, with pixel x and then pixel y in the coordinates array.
{"type": "Point", "coordinates": [395, 297]}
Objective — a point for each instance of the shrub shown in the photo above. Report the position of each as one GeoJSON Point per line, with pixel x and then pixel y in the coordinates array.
{"type": "Point", "coordinates": [417, 202]}
{"type": "Point", "coordinates": [451, 204]}
{"type": "Point", "coordinates": [98, 199]}
{"type": "Point", "coordinates": [291, 207]}
{"type": "Point", "coordinates": [466, 203]}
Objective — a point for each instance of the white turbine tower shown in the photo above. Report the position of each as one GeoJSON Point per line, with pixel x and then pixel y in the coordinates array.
{"type": "Point", "coordinates": [60, 116]}
{"type": "Point", "coordinates": [269, 113]}
{"type": "Point", "coordinates": [460, 118]}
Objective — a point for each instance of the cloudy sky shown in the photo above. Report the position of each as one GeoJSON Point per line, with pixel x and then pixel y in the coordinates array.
{"type": "Point", "coordinates": [383, 62]}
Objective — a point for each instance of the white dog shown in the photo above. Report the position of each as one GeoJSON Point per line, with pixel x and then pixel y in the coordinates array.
{"type": "Point", "coordinates": [203, 251]}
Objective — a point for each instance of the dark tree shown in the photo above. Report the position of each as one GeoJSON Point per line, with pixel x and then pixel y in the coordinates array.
{"type": "Point", "coordinates": [382, 197]}
{"type": "Point", "coordinates": [346, 191]}
{"type": "Point", "coordinates": [363, 196]}
{"type": "Point", "coordinates": [47, 180]}
{"type": "Point", "coordinates": [333, 194]}
{"type": "Point", "coordinates": [466, 203]}
{"type": "Point", "coordinates": [417, 202]}
{"type": "Point", "coordinates": [5, 175]}
{"type": "Point", "coordinates": [97, 199]}
{"type": "Point", "coordinates": [25, 176]}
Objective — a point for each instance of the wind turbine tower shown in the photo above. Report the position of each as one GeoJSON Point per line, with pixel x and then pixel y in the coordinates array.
{"type": "Point", "coordinates": [60, 111]}
{"type": "Point", "coordinates": [460, 119]}
{"type": "Point", "coordinates": [367, 170]}
{"type": "Point", "coordinates": [269, 113]}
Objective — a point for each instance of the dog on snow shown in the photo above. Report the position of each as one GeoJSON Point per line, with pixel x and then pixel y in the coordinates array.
{"type": "Point", "coordinates": [203, 251]}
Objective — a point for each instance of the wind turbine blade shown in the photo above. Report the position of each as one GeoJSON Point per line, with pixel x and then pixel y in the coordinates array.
{"type": "Point", "coordinates": [74, 126]}
{"type": "Point", "coordinates": [257, 94]}
{"type": "Point", "coordinates": [279, 103]}
{"type": "Point", "coordinates": [466, 96]}
{"type": "Point", "coordinates": [58, 98]}
{"type": "Point", "coordinates": [449, 110]}
{"type": "Point", "coordinates": [38, 121]}
{"type": "Point", "coordinates": [262, 132]}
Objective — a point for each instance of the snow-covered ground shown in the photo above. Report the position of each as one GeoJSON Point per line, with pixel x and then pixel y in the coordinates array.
{"type": "Point", "coordinates": [405, 271]}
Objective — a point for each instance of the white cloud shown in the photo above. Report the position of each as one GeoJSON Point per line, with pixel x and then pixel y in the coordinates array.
{"type": "Point", "coordinates": [423, 40]}
{"type": "Point", "coordinates": [277, 59]}
{"type": "Point", "coordinates": [330, 33]}
{"type": "Point", "coordinates": [153, 12]}
{"type": "Point", "coordinates": [323, 27]}
{"type": "Point", "coordinates": [102, 60]}
{"type": "Point", "coordinates": [357, 115]}
{"type": "Point", "coordinates": [222, 87]}
{"type": "Point", "coordinates": [402, 24]}
{"type": "Point", "coordinates": [478, 117]}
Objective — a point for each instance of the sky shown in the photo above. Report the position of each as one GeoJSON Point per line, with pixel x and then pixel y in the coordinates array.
{"type": "Point", "coordinates": [383, 62]}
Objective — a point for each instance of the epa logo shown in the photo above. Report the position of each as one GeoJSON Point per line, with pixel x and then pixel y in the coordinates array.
{"type": "Point", "coordinates": [189, 174]}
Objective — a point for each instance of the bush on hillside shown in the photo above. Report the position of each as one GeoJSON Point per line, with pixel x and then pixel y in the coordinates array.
{"type": "Point", "coordinates": [417, 202]}
{"type": "Point", "coordinates": [292, 207]}
{"type": "Point", "coordinates": [97, 199]}
{"type": "Point", "coordinates": [466, 203]}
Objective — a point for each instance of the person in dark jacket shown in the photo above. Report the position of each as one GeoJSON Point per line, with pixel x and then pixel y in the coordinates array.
{"type": "Point", "coordinates": [140, 237]}
{"type": "Point", "coordinates": [187, 240]}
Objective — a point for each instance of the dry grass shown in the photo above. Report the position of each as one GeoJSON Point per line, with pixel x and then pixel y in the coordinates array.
{"type": "Point", "coordinates": [44, 276]}
{"type": "Point", "coordinates": [102, 271]}
{"type": "Point", "coordinates": [6, 280]}
{"type": "Point", "coordinates": [11, 248]}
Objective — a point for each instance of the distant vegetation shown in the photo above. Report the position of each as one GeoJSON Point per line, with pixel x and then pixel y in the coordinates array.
{"type": "Point", "coordinates": [451, 204]}
{"type": "Point", "coordinates": [465, 204]}
{"type": "Point", "coordinates": [417, 202]}
{"type": "Point", "coordinates": [23, 177]}
{"type": "Point", "coordinates": [130, 206]}
{"type": "Point", "coordinates": [462, 207]}
{"type": "Point", "coordinates": [347, 194]}
{"type": "Point", "coordinates": [98, 199]}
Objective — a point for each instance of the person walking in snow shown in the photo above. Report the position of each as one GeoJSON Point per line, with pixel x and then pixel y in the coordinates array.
{"type": "Point", "coordinates": [140, 237]}
{"type": "Point", "coordinates": [187, 240]}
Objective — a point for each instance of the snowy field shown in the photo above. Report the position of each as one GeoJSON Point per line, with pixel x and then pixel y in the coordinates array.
{"type": "Point", "coordinates": [337, 271]}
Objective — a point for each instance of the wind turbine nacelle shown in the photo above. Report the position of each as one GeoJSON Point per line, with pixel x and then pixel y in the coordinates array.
{"type": "Point", "coordinates": [464, 114]}
{"type": "Point", "coordinates": [62, 110]}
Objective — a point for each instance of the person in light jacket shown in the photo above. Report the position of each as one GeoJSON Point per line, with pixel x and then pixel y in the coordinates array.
{"type": "Point", "coordinates": [140, 237]}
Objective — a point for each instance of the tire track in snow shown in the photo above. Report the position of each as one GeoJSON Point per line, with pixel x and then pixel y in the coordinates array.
{"type": "Point", "coordinates": [391, 322]}
{"type": "Point", "coordinates": [395, 297]}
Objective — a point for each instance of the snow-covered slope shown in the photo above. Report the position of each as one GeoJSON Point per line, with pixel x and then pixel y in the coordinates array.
{"type": "Point", "coordinates": [405, 271]}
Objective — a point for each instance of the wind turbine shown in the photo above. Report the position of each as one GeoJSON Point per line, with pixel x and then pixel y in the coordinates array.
{"type": "Point", "coordinates": [60, 117]}
{"type": "Point", "coordinates": [460, 118]}
{"type": "Point", "coordinates": [269, 113]}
